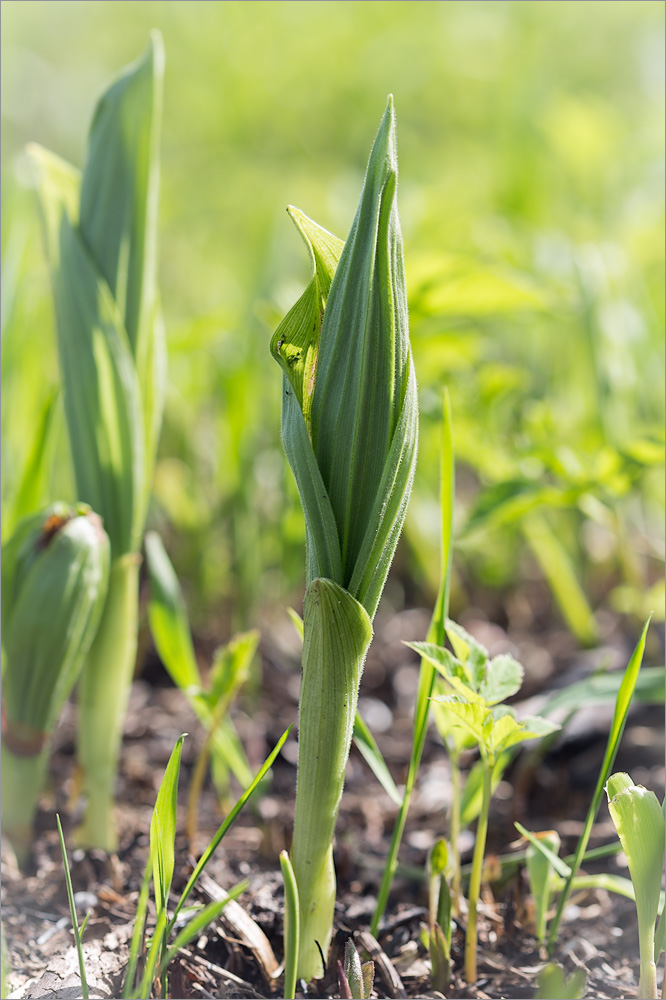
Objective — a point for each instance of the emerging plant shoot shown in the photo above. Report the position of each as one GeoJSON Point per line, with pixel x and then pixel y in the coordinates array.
{"type": "Point", "coordinates": [349, 428]}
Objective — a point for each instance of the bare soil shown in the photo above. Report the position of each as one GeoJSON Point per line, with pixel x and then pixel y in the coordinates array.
{"type": "Point", "coordinates": [599, 933]}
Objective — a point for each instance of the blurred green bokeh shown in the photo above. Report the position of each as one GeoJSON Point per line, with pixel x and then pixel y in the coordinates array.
{"type": "Point", "coordinates": [531, 145]}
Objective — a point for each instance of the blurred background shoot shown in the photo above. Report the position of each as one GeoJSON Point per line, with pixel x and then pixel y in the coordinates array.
{"type": "Point", "coordinates": [531, 194]}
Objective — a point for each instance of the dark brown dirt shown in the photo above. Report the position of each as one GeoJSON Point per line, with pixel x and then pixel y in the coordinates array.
{"type": "Point", "coordinates": [599, 933]}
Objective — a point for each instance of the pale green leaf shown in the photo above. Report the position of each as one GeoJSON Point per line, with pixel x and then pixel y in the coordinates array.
{"type": "Point", "coordinates": [168, 619]}
{"type": "Point", "coordinates": [163, 829]}
{"type": "Point", "coordinates": [639, 821]}
{"type": "Point", "coordinates": [504, 677]}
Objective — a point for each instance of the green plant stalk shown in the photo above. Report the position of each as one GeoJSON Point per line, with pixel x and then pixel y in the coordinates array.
{"type": "Point", "coordinates": [22, 784]}
{"type": "Point", "coordinates": [427, 672]}
{"type": "Point", "coordinates": [475, 878]}
{"type": "Point", "coordinates": [291, 926]}
{"type": "Point", "coordinates": [454, 830]}
{"type": "Point", "coordinates": [78, 931]}
{"type": "Point", "coordinates": [102, 699]}
{"type": "Point", "coordinates": [337, 633]}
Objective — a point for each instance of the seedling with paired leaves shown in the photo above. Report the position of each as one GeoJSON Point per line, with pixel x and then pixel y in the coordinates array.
{"type": "Point", "coordinates": [349, 428]}
{"type": "Point", "coordinates": [479, 684]}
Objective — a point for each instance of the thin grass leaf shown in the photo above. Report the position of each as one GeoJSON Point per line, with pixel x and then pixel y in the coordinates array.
{"type": "Point", "coordinates": [138, 933]}
{"type": "Point", "coordinates": [167, 615]}
{"type": "Point", "coordinates": [72, 910]}
{"type": "Point", "coordinates": [214, 843]}
{"type": "Point", "coordinates": [160, 935]}
{"type": "Point", "coordinates": [367, 746]}
{"type": "Point", "coordinates": [622, 705]}
{"type": "Point", "coordinates": [291, 926]}
{"type": "Point", "coordinates": [163, 829]}
{"type": "Point", "coordinates": [204, 918]}
{"type": "Point", "coordinates": [427, 673]}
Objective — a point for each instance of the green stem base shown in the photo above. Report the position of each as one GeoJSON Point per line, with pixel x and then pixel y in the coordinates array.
{"type": "Point", "coordinates": [337, 633]}
{"type": "Point", "coordinates": [102, 702]}
{"type": "Point", "coordinates": [22, 784]}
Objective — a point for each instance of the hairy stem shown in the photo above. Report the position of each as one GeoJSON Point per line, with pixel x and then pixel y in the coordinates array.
{"type": "Point", "coordinates": [337, 633]}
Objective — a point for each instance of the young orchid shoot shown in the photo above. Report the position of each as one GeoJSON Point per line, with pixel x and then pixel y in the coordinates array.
{"type": "Point", "coordinates": [349, 429]}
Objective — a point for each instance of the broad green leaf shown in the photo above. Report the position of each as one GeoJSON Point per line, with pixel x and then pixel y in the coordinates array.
{"type": "Point", "coordinates": [602, 688]}
{"type": "Point", "coordinates": [168, 619]}
{"type": "Point", "coordinates": [504, 677]}
{"type": "Point", "coordinates": [118, 216]}
{"type": "Point", "coordinates": [508, 732]}
{"type": "Point", "coordinates": [473, 716]}
{"type": "Point", "coordinates": [163, 829]}
{"type": "Point", "coordinates": [452, 670]}
{"type": "Point", "coordinates": [469, 650]}
{"type": "Point", "coordinates": [101, 390]}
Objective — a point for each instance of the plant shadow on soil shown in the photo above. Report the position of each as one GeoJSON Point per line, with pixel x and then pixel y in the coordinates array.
{"type": "Point", "coordinates": [599, 933]}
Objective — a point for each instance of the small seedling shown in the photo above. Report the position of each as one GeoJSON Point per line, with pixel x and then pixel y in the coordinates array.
{"type": "Point", "coordinates": [160, 867]}
{"type": "Point", "coordinates": [639, 821]}
{"type": "Point", "coordinates": [78, 931]}
{"type": "Point", "coordinates": [540, 875]}
{"type": "Point", "coordinates": [355, 978]}
{"type": "Point", "coordinates": [555, 985]}
{"type": "Point", "coordinates": [480, 684]}
{"type": "Point", "coordinates": [440, 871]}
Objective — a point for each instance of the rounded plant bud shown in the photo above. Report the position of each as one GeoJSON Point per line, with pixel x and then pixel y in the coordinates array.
{"type": "Point", "coordinates": [55, 576]}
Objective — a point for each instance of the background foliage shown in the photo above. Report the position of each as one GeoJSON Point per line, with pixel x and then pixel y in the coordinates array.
{"type": "Point", "coordinates": [531, 153]}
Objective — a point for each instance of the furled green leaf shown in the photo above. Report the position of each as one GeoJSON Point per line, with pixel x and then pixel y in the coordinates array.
{"type": "Point", "coordinates": [101, 390]}
{"type": "Point", "coordinates": [163, 829]}
{"type": "Point", "coordinates": [639, 821]}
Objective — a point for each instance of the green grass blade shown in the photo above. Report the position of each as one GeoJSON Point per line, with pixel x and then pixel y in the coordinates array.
{"type": "Point", "coordinates": [427, 672]}
{"type": "Point", "coordinates": [372, 755]}
{"type": "Point", "coordinates": [561, 576]}
{"type": "Point", "coordinates": [138, 932]}
{"type": "Point", "coordinates": [154, 952]}
{"type": "Point", "coordinates": [214, 843]}
{"type": "Point", "coordinates": [622, 705]}
{"type": "Point", "coordinates": [168, 619]}
{"type": "Point", "coordinates": [163, 829]}
{"type": "Point", "coordinates": [206, 916]}
{"type": "Point", "coordinates": [291, 926]}
{"type": "Point", "coordinates": [72, 910]}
